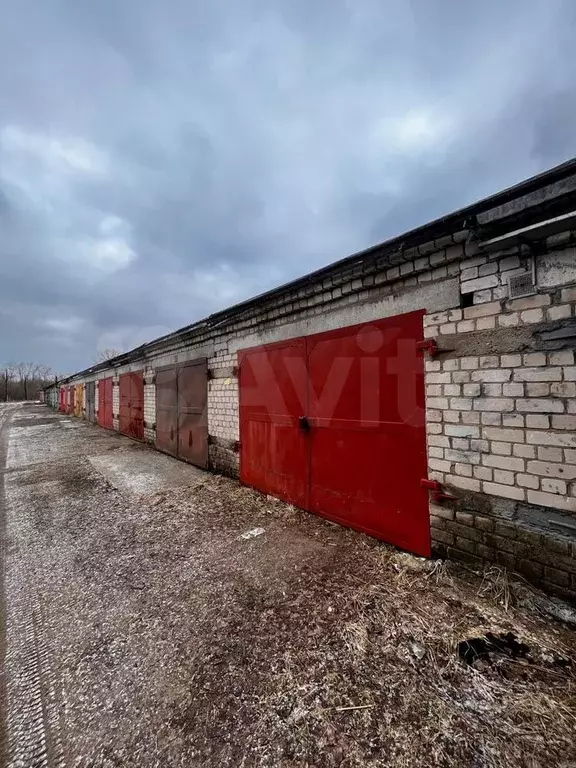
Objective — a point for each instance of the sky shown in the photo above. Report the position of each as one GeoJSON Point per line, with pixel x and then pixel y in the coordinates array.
{"type": "Point", "coordinates": [164, 159]}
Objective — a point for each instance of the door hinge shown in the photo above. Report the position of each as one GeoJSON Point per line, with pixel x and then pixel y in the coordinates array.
{"type": "Point", "coordinates": [428, 345]}
{"type": "Point", "coordinates": [437, 493]}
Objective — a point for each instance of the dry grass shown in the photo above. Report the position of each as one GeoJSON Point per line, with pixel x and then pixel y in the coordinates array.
{"type": "Point", "coordinates": [342, 684]}
{"type": "Point", "coordinates": [180, 644]}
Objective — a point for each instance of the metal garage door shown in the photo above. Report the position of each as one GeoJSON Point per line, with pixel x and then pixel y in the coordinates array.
{"type": "Point", "coordinates": [132, 404]}
{"type": "Point", "coordinates": [63, 395]}
{"type": "Point", "coordinates": [90, 404]}
{"type": "Point", "coordinates": [274, 451]}
{"type": "Point", "coordinates": [71, 400]}
{"type": "Point", "coordinates": [335, 423]}
{"type": "Point", "coordinates": [79, 401]}
{"type": "Point", "coordinates": [105, 408]}
{"type": "Point", "coordinates": [167, 410]}
{"type": "Point", "coordinates": [181, 421]}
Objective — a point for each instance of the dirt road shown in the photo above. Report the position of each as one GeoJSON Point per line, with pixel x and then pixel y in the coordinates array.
{"type": "Point", "coordinates": [140, 627]}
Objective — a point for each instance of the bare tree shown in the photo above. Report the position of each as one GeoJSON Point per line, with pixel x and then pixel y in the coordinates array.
{"type": "Point", "coordinates": [45, 373]}
{"type": "Point", "coordinates": [23, 381]}
{"type": "Point", "coordinates": [106, 354]}
{"type": "Point", "coordinates": [23, 372]}
{"type": "Point", "coordinates": [7, 378]}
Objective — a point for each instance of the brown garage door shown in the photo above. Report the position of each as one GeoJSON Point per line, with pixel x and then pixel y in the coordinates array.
{"type": "Point", "coordinates": [181, 418]}
{"type": "Point", "coordinates": [131, 419]}
{"type": "Point", "coordinates": [167, 410]}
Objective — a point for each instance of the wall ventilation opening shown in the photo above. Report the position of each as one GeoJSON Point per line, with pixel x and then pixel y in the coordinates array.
{"type": "Point", "coordinates": [521, 285]}
{"type": "Point", "coordinates": [466, 300]}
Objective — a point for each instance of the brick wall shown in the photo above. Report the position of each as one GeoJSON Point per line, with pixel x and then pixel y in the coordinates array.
{"type": "Point", "coordinates": [149, 405]}
{"type": "Point", "coordinates": [501, 395]}
{"type": "Point", "coordinates": [115, 401]}
{"type": "Point", "coordinates": [505, 425]}
{"type": "Point", "coordinates": [223, 416]}
{"type": "Point", "coordinates": [501, 423]}
{"type": "Point", "coordinates": [541, 557]}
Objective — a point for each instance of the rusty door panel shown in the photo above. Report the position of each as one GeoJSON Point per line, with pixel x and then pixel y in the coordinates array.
{"type": "Point", "coordinates": [132, 404]}
{"type": "Point", "coordinates": [192, 413]}
{"type": "Point", "coordinates": [137, 405]}
{"type": "Point", "coordinates": [124, 406]}
{"type": "Point", "coordinates": [79, 401]}
{"type": "Point", "coordinates": [334, 423]}
{"type": "Point", "coordinates": [63, 393]}
{"type": "Point", "coordinates": [71, 400]}
{"type": "Point", "coordinates": [181, 417]}
{"type": "Point", "coordinates": [89, 392]}
{"type": "Point", "coordinates": [124, 412]}
{"type": "Point", "coordinates": [167, 410]}
{"type": "Point", "coordinates": [105, 407]}
{"type": "Point", "coordinates": [274, 451]}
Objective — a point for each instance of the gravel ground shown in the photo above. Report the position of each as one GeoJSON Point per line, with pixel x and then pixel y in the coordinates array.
{"type": "Point", "coordinates": [142, 629]}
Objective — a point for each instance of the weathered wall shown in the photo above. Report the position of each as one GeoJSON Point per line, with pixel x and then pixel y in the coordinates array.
{"type": "Point", "coordinates": [149, 405]}
{"type": "Point", "coordinates": [501, 399]}
{"type": "Point", "coordinates": [502, 418]}
{"type": "Point", "coordinates": [116, 400]}
{"type": "Point", "coordinates": [351, 295]}
{"type": "Point", "coordinates": [501, 395]}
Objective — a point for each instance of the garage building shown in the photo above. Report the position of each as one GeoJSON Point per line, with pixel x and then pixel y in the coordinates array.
{"type": "Point", "coordinates": [422, 391]}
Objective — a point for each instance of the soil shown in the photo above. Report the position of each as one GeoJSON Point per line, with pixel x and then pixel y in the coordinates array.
{"type": "Point", "coordinates": [164, 638]}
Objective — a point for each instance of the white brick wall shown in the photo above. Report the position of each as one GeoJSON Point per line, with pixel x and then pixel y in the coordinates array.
{"type": "Point", "coordinates": [518, 444]}
{"type": "Point", "coordinates": [149, 406]}
{"type": "Point", "coordinates": [223, 414]}
{"type": "Point", "coordinates": [115, 401]}
{"type": "Point", "coordinates": [529, 397]}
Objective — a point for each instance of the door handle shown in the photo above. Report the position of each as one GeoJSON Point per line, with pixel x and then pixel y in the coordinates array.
{"type": "Point", "coordinates": [304, 424]}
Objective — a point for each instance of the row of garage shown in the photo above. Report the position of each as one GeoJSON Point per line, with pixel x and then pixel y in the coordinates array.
{"type": "Point", "coordinates": [181, 427]}
{"type": "Point", "coordinates": [317, 414]}
{"type": "Point", "coordinates": [80, 400]}
{"type": "Point", "coordinates": [420, 391]}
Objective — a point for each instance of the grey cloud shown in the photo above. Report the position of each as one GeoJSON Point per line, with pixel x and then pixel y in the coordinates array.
{"type": "Point", "coordinates": [159, 161]}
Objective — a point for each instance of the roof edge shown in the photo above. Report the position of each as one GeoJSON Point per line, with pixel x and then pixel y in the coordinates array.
{"type": "Point", "coordinates": [416, 236]}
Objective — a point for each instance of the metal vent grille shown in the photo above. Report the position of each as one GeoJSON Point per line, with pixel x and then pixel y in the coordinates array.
{"type": "Point", "coordinates": [521, 285]}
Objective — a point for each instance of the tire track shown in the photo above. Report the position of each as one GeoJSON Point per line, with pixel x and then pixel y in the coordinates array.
{"type": "Point", "coordinates": [32, 733]}
{"type": "Point", "coordinates": [5, 417]}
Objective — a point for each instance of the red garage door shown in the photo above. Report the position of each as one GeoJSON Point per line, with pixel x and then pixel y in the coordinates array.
{"type": "Point", "coordinates": [132, 404]}
{"type": "Point", "coordinates": [105, 409]}
{"type": "Point", "coordinates": [274, 452]}
{"type": "Point", "coordinates": [335, 423]}
{"type": "Point", "coordinates": [181, 423]}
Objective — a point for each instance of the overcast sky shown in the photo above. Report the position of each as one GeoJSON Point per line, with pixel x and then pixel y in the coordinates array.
{"type": "Point", "coordinates": [162, 159]}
